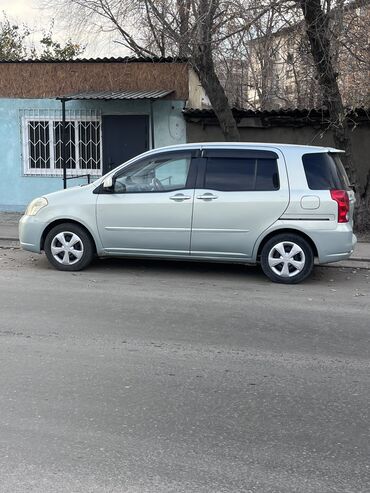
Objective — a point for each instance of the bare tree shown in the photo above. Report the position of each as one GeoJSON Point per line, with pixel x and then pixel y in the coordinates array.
{"type": "Point", "coordinates": [352, 36]}
{"type": "Point", "coordinates": [317, 23]}
{"type": "Point", "coordinates": [202, 59]}
{"type": "Point", "coordinates": [181, 28]}
{"type": "Point", "coordinates": [195, 29]}
{"type": "Point", "coordinates": [249, 56]}
{"type": "Point", "coordinates": [280, 67]}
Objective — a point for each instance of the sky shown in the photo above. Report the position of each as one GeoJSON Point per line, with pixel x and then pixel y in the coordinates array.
{"type": "Point", "coordinates": [24, 10]}
{"type": "Point", "coordinates": [29, 12]}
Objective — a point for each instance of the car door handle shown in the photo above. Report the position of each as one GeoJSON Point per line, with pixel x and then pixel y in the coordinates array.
{"type": "Point", "coordinates": [180, 197]}
{"type": "Point", "coordinates": [207, 196]}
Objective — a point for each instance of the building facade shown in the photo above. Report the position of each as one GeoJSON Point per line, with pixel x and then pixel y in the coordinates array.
{"type": "Point", "coordinates": [114, 110]}
{"type": "Point", "coordinates": [274, 68]}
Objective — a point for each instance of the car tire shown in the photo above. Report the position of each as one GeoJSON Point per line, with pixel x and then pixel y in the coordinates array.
{"type": "Point", "coordinates": [287, 258]}
{"type": "Point", "coordinates": [69, 247]}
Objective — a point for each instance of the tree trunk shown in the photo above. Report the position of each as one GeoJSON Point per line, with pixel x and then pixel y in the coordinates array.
{"type": "Point", "coordinates": [317, 27]}
{"type": "Point", "coordinates": [183, 8]}
{"type": "Point", "coordinates": [203, 64]}
{"type": "Point", "coordinates": [217, 97]}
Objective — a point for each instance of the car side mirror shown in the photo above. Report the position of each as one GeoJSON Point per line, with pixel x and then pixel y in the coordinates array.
{"type": "Point", "coordinates": [108, 183]}
{"type": "Point", "coordinates": [111, 185]}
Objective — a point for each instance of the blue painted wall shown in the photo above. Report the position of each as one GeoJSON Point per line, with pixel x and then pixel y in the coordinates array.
{"type": "Point", "coordinates": [17, 190]}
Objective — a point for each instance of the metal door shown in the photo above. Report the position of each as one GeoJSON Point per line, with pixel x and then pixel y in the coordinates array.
{"type": "Point", "coordinates": [124, 137]}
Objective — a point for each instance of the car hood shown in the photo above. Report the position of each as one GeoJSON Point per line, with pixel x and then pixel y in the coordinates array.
{"type": "Point", "coordinates": [68, 194]}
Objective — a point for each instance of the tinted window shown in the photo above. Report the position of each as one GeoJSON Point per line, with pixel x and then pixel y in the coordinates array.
{"type": "Point", "coordinates": [267, 176]}
{"type": "Point", "coordinates": [239, 174]}
{"type": "Point", "coordinates": [325, 172]}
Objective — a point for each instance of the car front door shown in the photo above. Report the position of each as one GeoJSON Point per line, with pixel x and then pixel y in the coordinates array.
{"type": "Point", "coordinates": [148, 211]}
{"type": "Point", "coordinates": [239, 194]}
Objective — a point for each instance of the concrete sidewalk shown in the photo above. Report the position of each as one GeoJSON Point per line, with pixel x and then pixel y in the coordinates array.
{"type": "Point", "coordinates": [9, 239]}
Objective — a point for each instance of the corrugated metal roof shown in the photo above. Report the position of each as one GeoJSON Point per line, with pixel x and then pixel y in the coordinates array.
{"type": "Point", "coordinates": [281, 112]}
{"type": "Point", "coordinates": [289, 117]}
{"type": "Point", "coordinates": [114, 95]}
{"type": "Point", "coordinates": [126, 59]}
{"type": "Point", "coordinates": [246, 112]}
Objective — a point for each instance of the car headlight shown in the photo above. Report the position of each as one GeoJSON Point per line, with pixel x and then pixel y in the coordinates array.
{"type": "Point", "coordinates": [36, 204]}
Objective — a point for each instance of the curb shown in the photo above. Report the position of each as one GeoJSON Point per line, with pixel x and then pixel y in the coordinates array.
{"type": "Point", "coordinates": [9, 243]}
{"type": "Point", "coordinates": [347, 264]}
{"type": "Point", "coordinates": [9, 246]}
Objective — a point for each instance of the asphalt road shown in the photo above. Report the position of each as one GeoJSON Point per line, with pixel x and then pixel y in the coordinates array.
{"type": "Point", "coordinates": [159, 377]}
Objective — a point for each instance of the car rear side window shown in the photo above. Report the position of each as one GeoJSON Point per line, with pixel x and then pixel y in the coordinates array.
{"type": "Point", "coordinates": [325, 171]}
{"type": "Point", "coordinates": [240, 174]}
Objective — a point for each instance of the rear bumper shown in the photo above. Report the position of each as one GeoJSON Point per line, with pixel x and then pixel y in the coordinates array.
{"type": "Point", "coordinates": [333, 246]}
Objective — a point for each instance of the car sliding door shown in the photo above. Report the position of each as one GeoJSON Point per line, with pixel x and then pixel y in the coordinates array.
{"type": "Point", "coordinates": [239, 195]}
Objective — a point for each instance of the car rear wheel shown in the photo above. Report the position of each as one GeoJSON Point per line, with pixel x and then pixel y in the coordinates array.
{"type": "Point", "coordinates": [69, 247]}
{"type": "Point", "coordinates": [287, 258]}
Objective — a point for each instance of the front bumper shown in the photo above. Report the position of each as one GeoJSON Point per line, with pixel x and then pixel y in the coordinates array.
{"type": "Point", "coordinates": [30, 233]}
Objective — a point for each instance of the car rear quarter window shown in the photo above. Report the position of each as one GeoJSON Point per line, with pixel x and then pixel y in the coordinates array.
{"type": "Point", "coordinates": [325, 171]}
{"type": "Point", "coordinates": [241, 174]}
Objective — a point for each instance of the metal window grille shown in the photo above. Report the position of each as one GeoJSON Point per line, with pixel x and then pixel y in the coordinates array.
{"type": "Point", "coordinates": [70, 155]}
{"type": "Point", "coordinates": [42, 142]}
{"type": "Point", "coordinates": [39, 144]}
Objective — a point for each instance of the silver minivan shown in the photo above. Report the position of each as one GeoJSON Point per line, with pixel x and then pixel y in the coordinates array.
{"type": "Point", "coordinates": [275, 204]}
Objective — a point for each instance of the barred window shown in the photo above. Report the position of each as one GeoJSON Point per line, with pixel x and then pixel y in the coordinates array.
{"type": "Point", "coordinates": [89, 145]}
{"type": "Point", "coordinates": [42, 145]}
{"type": "Point", "coordinates": [39, 145]}
{"type": "Point", "coordinates": [70, 155]}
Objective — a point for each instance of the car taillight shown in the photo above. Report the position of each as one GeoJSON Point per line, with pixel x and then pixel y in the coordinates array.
{"type": "Point", "coordinates": [342, 199]}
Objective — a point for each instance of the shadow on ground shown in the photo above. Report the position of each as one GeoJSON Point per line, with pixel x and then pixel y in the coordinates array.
{"type": "Point", "coordinates": [185, 270]}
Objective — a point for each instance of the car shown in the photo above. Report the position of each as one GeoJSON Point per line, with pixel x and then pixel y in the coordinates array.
{"type": "Point", "coordinates": [279, 205]}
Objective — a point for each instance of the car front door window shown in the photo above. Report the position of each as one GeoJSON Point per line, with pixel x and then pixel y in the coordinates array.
{"type": "Point", "coordinates": [156, 175]}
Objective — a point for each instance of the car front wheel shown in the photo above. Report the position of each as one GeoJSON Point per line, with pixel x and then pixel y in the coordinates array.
{"type": "Point", "coordinates": [69, 247]}
{"type": "Point", "coordinates": [287, 258]}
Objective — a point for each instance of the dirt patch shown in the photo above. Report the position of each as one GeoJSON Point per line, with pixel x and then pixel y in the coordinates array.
{"type": "Point", "coordinates": [14, 259]}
